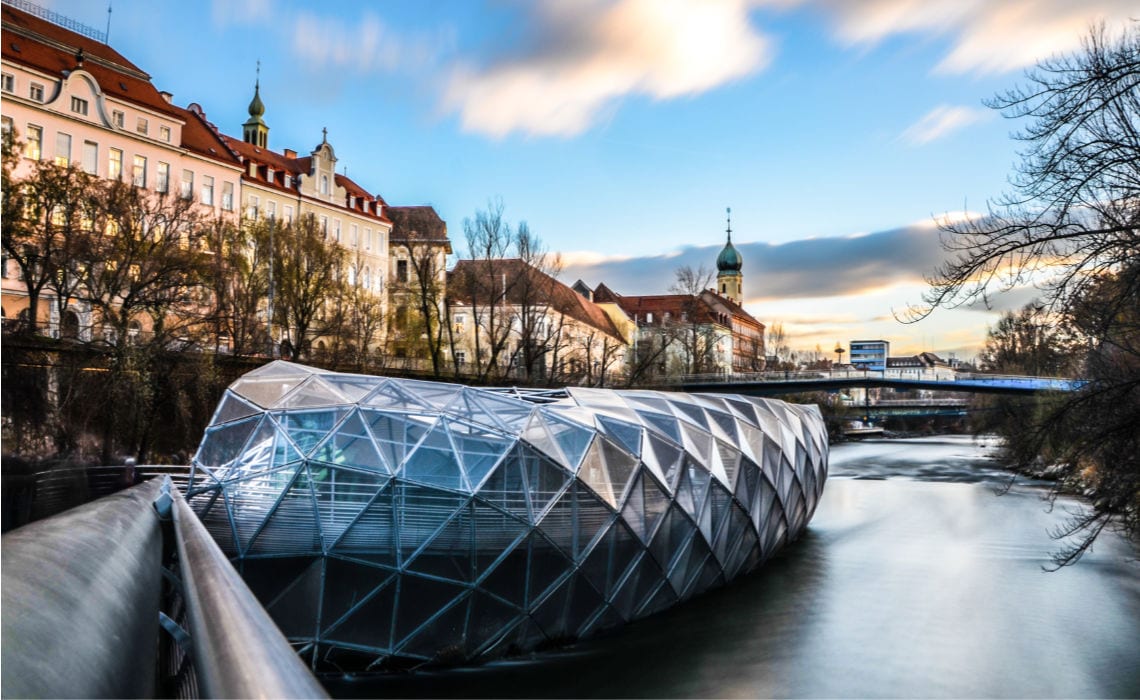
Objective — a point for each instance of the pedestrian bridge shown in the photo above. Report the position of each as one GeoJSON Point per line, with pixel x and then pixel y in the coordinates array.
{"type": "Point", "coordinates": [775, 383]}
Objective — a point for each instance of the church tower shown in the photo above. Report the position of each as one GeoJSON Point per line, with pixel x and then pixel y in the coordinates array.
{"type": "Point", "coordinates": [254, 130]}
{"type": "Point", "coordinates": [729, 280]}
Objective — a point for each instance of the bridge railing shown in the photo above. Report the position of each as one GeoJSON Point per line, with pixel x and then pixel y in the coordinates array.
{"type": "Point", "coordinates": [86, 591]}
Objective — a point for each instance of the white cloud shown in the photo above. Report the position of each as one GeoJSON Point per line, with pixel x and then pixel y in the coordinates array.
{"type": "Point", "coordinates": [365, 46]}
{"type": "Point", "coordinates": [591, 54]}
{"type": "Point", "coordinates": [985, 36]}
{"type": "Point", "coordinates": [942, 121]}
{"type": "Point", "coordinates": [226, 12]}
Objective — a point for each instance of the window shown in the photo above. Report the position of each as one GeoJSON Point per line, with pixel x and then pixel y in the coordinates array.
{"type": "Point", "coordinates": [34, 147]}
{"type": "Point", "coordinates": [138, 172]}
{"type": "Point", "coordinates": [365, 278]}
{"type": "Point", "coordinates": [114, 164]}
{"type": "Point", "coordinates": [164, 133]}
{"type": "Point", "coordinates": [117, 118]}
{"type": "Point", "coordinates": [90, 157]}
{"type": "Point", "coordinates": [142, 125]}
{"type": "Point", "coordinates": [36, 93]}
{"type": "Point", "coordinates": [401, 270]}
{"type": "Point", "coordinates": [352, 231]}
{"type": "Point", "coordinates": [336, 225]}
{"type": "Point", "coordinates": [325, 226]}
{"type": "Point", "coordinates": [162, 179]}
{"type": "Point", "coordinates": [207, 190]}
{"type": "Point", "coordinates": [7, 82]}
{"type": "Point", "coordinates": [460, 357]}
{"type": "Point", "coordinates": [271, 210]}
{"type": "Point", "coordinates": [63, 149]}
{"type": "Point", "coordinates": [401, 317]}
{"type": "Point", "coordinates": [269, 174]}
{"type": "Point", "coordinates": [368, 239]}
{"type": "Point", "coordinates": [324, 184]}
{"type": "Point", "coordinates": [187, 184]}
{"type": "Point", "coordinates": [351, 276]}
{"type": "Point", "coordinates": [79, 105]}
{"type": "Point", "coordinates": [288, 214]}
{"type": "Point", "coordinates": [253, 206]}
{"type": "Point", "coordinates": [8, 125]}
{"type": "Point", "coordinates": [228, 196]}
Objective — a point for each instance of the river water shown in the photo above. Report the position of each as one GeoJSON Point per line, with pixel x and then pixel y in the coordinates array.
{"type": "Point", "coordinates": [914, 579]}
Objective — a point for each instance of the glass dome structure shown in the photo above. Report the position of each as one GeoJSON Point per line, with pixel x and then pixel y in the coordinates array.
{"type": "Point", "coordinates": [387, 523]}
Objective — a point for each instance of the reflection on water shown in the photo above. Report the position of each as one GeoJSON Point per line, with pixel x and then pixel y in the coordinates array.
{"type": "Point", "coordinates": [913, 579]}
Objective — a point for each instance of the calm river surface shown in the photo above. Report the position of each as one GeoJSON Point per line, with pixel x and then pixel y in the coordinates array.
{"type": "Point", "coordinates": [914, 579]}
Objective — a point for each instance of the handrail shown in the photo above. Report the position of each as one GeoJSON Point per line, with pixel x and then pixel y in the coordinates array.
{"type": "Point", "coordinates": [81, 600]}
{"type": "Point", "coordinates": [237, 649]}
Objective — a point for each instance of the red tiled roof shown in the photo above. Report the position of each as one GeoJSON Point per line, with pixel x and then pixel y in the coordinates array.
{"type": "Point", "coordinates": [200, 136]}
{"type": "Point", "coordinates": [421, 223]}
{"type": "Point", "coordinates": [487, 274]}
{"type": "Point", "coordinates": [44, 46]}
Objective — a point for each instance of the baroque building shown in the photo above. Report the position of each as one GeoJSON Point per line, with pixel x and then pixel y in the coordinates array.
{"type": "Point", "coordinates": [73, 100]}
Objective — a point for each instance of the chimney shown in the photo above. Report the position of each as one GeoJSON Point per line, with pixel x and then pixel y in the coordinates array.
{"type": "Point", "coordinates": [169, 97]}
{"type": "Point", "coordinates": [290, 153]}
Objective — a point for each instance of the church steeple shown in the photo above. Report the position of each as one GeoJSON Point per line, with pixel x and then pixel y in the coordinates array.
{"type": "Point", "coordinates": [730, 281]}
{"type": "Point", "coordinates": [255, 130]}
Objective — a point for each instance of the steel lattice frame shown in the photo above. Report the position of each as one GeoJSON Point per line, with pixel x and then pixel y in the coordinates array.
{"type": "Point", "coordinates": [390, 522]}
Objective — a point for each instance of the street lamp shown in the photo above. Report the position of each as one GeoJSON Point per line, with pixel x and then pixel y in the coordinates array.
{"type": "Point", "coordinates": [838, 353]}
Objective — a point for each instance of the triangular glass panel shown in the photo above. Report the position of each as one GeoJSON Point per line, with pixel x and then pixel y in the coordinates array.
{"type": "Point", "coordinates": [512, 414]}
{"type": "Point", "coordinates": [257, 454]}
{"type": "Point", "coordinates": [436, 395]}
{"type": "Point", "coordinates": [490, 619]}
{"type": "Point", "coordinates": [536, 435]}
{"type": "Point", "coordinates": [395, 434]}
{"type": "Point", "coordinates": [691, 413]}
{"type": "Point", "coordinates": [625, 434]}
{"type": "Point", "coordinates": [620, 464]}
{"type": "Point", "coordinates": [547, 564]}
{"type": "Point", "coordinates": [683, 495]}
{"type": "Point", "coordinates": [633, 592]}
{"type": "Point", "coordinates": [420, 599]}
{"type": "Point", "coordinates": [507, 579]}
{"type": "Point", "coordinates": [699, 479]}
{"type": "Point", "coordinates": [312, 393]}
{"type": "Point", "coordinates": [751, 441]}
{"type": "Point", "coordinates": [594, 474]}
{"type": "Point", "coordinates": [265, 391]}
{"type": "Point", "coordinates": [341, 497]}
{"type": "Point", "coordinates": [371, 536]}
{"type": "Point", "coordinates": [450, 552]}
{"type": "Point", "coordinates": [698, 443]}
{"type": "Point", "coordinates": [479, 449]}
{"type": "Point", "coordinates": [442, 638]}
{"type": "Point", "coordinates": [496, 532]}
{"type": "Point", "coordinates": [633, 513]}
{"type": "Point", "coordinates": [370, 624]}
{"type": "Point", "coordinates": [607, 618]}
{"type": "Point", "coordinates": [295, 609]}
{"type": "Point", "coordinates": [721, 502]}
{"type": "Point", "coordinates": [347, 585]}
{"type": "Point", "coordinates": [233, 407]}
{"type": "Point", "coordinates": [307, 428]}
{"type": "Point", "coordinates": [550, 613]}
{"type": "Point", "coordinates": [351, 445]}
{"type": "Point", "coordinates": [545, 481]}
{"type": "Point", "coordinates": [656, 502]}
{"type": "Point", "coordinates": [729, 461]}
{"type": "Point", "coordinates": [675, 530]}
{"type": "Point", "coordinates": [220, 525]}
{"type": "Point", "coordinates": [223, 444]}
{"type": "Point", "coordinates": [389, 395]}
{"type": "Point", "coordinates": [591, 515]}
{"type": "Point", "coordinates": [558, 523]}
{"type": "Point", "coordinates": [659, 600]}
{"type": "Point", "coordinates": [421, 513]}
{"type": "Point", "coordinates": [268, 577]}
{"type": "Point", "coordinates": [353, 387]}
{"type": "Point", "coordinates": [573, 438]}
{"type": "Point", "coordinates": [293, 525]}
{"type": "Point", "coordinates": [723, 426]}
{"type": "Point", "coordinates": [435, 463]}
{"type": "Point", "coordinates": [505, 487]}
{"type": "Point", "coordinates": [280, 369]}
{"type": "Point", "coordinates": [252, 500]}
{"type": "Point", "coordinates": [666, 425]}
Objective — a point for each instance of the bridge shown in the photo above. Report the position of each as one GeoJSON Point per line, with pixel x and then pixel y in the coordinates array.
{"type": "Point", "coordinates": [776, 383]}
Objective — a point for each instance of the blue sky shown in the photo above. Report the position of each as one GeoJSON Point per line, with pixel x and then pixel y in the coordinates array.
{"type": "Point", "coordinates": [621, 129]}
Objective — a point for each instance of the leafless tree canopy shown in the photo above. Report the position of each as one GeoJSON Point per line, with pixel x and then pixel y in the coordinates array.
{"type": "Point", "coordinates": [1073, 212]}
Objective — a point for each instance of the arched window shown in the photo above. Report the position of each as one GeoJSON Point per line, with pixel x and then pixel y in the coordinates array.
{"type": "Point", "coordinates": [351, 275]}
{"type": "Point", "coordinates": [365, 278]}
{"type": "Point", "coordinates": [324, 184]}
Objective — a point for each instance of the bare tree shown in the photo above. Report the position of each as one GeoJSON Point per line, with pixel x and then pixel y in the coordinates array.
{"type": "Point", "coordinates": [1071, 226]}
{"type": "Point", "coordinates": [777, 343]}
{"type": "Point", "coordinates": [489, 238]}
{"type": "Point", "coordinates": [697, 334]}
{"type": "Point", "coordinates": [423, 291]}
{"type": "Point", "coordinates": [308, 273]}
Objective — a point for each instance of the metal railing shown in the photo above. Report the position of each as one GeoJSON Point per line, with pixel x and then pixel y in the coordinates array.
{"type": "Point", "coordinates": [83, 600]}
{"type": "Point", "coordinates": [55, 18]}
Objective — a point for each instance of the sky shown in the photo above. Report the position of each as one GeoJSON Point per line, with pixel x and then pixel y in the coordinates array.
{"type": "Point", "coordinates": [838, 131]}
